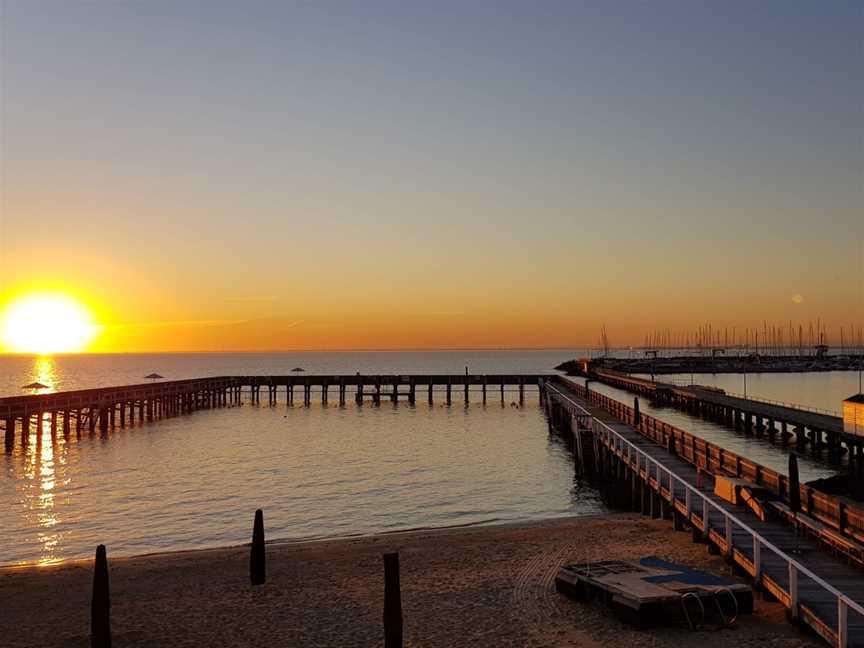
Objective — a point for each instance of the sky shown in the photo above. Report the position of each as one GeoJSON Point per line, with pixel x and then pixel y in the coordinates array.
{"type": "Point", "coordinates": [345, 175]}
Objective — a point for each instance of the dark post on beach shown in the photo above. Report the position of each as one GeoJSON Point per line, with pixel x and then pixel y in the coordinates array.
{"type": "Point", "coordinates": [392, 602]}
{"type": "Point", "coordinates": [637, 417]}
{"type": "Point", "coordinates": [257, 565]}
{"type": "Point", "coordinates": [100, 608]}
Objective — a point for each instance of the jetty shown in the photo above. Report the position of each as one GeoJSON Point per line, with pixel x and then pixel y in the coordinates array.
{"type": "Point", "coordinates": [104, 409]}
{"type": "Point", "coordinates": [664, 472]}
{"type": "Point", "coordinates": [723, 360]}
{"type": "Point", "coordinates": [818, 430]}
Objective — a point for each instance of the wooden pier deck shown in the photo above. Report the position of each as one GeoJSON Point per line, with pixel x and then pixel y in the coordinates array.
{"type": "Point", "coordinates": [107, 408]}
{"type": "Point", "coordinates": [822, 591]}
{"type": "Point", "coordinates": [820, 431]}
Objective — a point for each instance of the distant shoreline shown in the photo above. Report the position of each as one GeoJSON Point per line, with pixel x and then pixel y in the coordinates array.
{"type": "Point", "coordinates": [718, 365]}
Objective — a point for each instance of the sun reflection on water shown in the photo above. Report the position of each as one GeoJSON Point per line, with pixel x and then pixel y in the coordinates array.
{"type": "Point", "coordinates": [42, 456]}
{"type": "Point", "coordinates": [45, 372]}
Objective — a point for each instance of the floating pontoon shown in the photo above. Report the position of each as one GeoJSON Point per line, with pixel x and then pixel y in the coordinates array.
{"type": "Point", "coordinates": [655, 592]}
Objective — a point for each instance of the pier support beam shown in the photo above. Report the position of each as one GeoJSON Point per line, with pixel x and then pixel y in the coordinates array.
{"type": "Point", "coordinates": [103, 421]}
{"type": "Point", "coordinates": [10, 434]}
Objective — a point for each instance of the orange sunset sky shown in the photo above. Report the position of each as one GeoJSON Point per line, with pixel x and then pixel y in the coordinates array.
{"type": "Point", "coordinates": [418, 177]}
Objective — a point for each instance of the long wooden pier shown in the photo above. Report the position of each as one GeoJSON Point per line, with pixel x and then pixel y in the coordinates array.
{"type": "Point", "coordinates": [806, 428]}
{"type": "Point", "coordinates": [110, 407]}
{"type": "Point", "coordinates": [819, 590]}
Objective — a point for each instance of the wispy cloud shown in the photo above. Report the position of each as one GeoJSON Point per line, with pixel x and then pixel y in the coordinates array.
{"type": "Point", "coordinates": [295, 323]}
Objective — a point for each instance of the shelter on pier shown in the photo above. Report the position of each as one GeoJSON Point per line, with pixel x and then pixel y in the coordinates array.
{"type": "Point", "coordinates": [853, 415]}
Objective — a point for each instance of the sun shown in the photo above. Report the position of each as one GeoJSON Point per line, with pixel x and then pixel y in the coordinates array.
{"type": "Point", "coordinates": [46, 323]}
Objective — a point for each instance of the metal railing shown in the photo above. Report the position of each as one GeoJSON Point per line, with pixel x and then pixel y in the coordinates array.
{"type": "Point", "coordinates": [847, 518]}
{"type": "Point", "coordinates": [771, 401]}
{"type": "Point", "coordinates": [694, 496]}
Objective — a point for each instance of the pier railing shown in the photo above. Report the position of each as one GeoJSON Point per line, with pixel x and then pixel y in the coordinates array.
{"type": "Point", "coordinates": [845, 518]}
{"type": "Point", "coordinates": [696, 502]}
{"type": "Point", "coordinates": [771, 401]}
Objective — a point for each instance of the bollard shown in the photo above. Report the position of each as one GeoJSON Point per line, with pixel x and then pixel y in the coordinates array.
{"type": "Point", "coordinates": [100, 607]}
{"type": "Point", "coordinates": [637, 417]}
{"type": "Point", "coordinates": [392, 602]}
{"type": "Point", "coordinates": [257, 561]}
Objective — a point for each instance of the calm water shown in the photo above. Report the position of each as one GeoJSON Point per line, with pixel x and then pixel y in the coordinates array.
{"type": "Point", "coordinates": [195, 481]}
{"type": "Point", "coordinates": [85, 371]}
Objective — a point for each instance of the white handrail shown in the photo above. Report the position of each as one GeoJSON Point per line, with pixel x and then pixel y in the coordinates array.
{"type": "Point", "coordinates": [844, 602]}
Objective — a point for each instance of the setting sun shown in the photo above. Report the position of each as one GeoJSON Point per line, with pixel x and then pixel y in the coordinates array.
{"type": "Point", "coordinates": [46, 323]}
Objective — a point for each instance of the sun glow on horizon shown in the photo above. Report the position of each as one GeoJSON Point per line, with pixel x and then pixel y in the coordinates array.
{"type": "Point", "coordinates": [46, 323]}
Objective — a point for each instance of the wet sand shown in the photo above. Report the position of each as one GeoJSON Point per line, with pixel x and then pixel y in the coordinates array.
{"type": "Point", "coordinates": [478, 586]}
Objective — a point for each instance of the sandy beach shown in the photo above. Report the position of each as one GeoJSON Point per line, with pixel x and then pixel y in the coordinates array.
{"type": "Point", "coordinates": [478, 586]}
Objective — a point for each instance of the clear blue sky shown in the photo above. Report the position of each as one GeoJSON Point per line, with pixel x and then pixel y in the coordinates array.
{"type": "Point", "coordinates": [245, 161]}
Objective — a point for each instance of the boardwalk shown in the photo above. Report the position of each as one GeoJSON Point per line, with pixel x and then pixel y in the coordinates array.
{"type": "Point", "coordinates": [806, 428]}
{"type": "Point", "coordinates": [110, 407]}
{"type": "Point", "coordinates": [817, 589]}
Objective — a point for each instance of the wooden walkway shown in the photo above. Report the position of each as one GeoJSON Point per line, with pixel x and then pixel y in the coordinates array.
{"type": "Point", "coordinates": [110, 407]}
{"type": "Point", "coordinates": [818, 430]}
{"type": "Point", "coordinates": [816, 588]}
{"type": "Point", "coordinates": [770, 411]}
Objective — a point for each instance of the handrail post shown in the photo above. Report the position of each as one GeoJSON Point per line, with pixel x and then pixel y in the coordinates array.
{"type": "Point", "coordinates": [728, 536]}
{"type": "Point", "coordinates": [687, 501]}
{"type": "Point", "coordinates": [842, 628]}
{"type": "Point", "coordinates": [705, 527]}
{"type": "Point", "coordinates": [757, 560]}
{"type": "Point", "coordinates": [793, 590]}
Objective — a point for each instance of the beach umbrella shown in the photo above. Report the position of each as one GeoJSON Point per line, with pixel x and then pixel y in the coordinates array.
{"type": "Point", "coordinates": [297, 370]}
{"type": "Point", "coordinates": [154, 376]}
{"type": "Point", "coordinates": [35, 385]}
